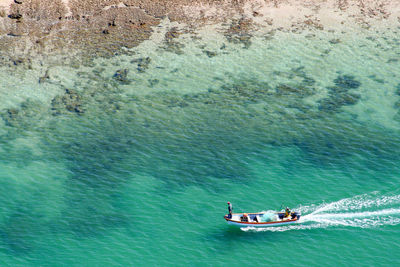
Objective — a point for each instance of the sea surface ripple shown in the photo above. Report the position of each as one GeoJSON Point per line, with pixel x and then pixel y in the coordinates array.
{"type": "Point", "coordinates": [139, 168]}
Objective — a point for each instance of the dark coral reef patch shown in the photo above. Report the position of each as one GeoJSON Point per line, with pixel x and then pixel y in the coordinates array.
{"type": "Point", "coordinates": [341, 94]}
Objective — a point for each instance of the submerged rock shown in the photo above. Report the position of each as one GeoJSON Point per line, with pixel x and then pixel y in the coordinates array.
{"type": "Point", "coordinates": [142, 63]}
{"type": "Point", "coordinates": [308, 81]}
{"type": "Point", "coordinates": [348, 99]}
{"type": "Point", "coordinates": [244, 91]}
{"type": "Point", "coordinates": [15, 16]}
{"type": "Point", "coordinates": [286, 89]}
{"type": "Point", "coordinates": [240, 32]}
{"type": "Point", "coordinates": [398, 89]}
{"type": "Point", "coordinates": [171, 44]}
{"type": "Point", "coordinates": [172, 34]}
{"type": "Point", "coordinates": [392, 60]}
{"type": "Point", "coordinates": [19, 61]}
{"type": "Point", "coordinates": [210, 53]}
{"type": "Point", "coordinates": [27, 114]}
{"type": "Point", "coordinates": [340, 95]}
{"type": "Point", "coordinates": [346, 82]}
{"type": "Point", "coordinates": [335, 102]}
{"type": "Point", "coordinates": [10, 116]}
{"type": "Point", "coordinates": [335, 41]}
{"type": "Point", "coordinates": [153, 82]}
{"type": "Point", "coordinates": [122, 76]}
{"type": "Point", "coordinates": [298, 90]}
{"type": "Point", "coordinates": [334, 90]}
{"type": "Point", "coordinates": [70, 101]}
{"type": "Point", "coordinates": [45, 77]}
{"type": "Point", "coordinates": [376, 79]}
{"type": "Point", "coordinates": [313, 24]}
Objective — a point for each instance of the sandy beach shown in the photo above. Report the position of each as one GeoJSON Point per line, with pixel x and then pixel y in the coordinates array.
{"type": "Point", "coordinates": [104, 27]}
{"type": "Point", "coordinates": [5, 4]}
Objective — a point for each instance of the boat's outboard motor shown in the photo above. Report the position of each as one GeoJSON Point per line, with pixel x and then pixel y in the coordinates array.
{"type": "Point", "coordinates": [296, 214]}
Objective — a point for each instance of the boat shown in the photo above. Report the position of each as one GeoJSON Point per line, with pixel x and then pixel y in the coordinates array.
{"type": "Point", "coordinates": [262, 219]}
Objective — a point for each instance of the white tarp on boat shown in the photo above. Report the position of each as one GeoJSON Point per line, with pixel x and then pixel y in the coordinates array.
{"type": "Point", "coordinates": [269, 217]}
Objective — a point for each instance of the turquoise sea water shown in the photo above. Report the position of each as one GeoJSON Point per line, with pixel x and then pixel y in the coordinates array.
{"type": "Point", "coordinates": [143, 173]}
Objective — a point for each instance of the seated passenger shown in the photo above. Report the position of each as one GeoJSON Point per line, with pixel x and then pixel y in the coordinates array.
{"type": "Point", "coordinates": [244, 218]}
{"type": "Point", "coordinates": [287, 212]}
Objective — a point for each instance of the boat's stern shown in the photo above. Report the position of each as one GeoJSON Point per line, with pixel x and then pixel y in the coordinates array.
{"type": "Point", "coordinates": [293, 215]}
{"type": "Point", "coordinates": [297, 215]}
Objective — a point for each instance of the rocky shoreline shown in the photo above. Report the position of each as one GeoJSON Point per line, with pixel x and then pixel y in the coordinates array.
{"type": "Point", "coordinates": [41, 28]}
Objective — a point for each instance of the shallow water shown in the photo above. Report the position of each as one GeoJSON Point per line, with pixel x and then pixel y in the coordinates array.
{"type": "Point", "coordinates": [143, 173]}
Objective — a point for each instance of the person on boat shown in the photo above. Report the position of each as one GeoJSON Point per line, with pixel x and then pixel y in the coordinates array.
{"type": "Point", "coordinates": [245, 217]}
{"type": "Point", "coordinates": [230, 210]}
{"type": "Point", "coordinates": [287, 212]}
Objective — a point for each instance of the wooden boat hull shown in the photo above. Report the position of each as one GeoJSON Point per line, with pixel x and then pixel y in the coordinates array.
{"type": "Point", "coordinates": [281, 221]}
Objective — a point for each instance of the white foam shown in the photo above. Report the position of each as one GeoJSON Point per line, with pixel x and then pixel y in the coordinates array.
{"type": "Point", "coordinates": [362, 211]}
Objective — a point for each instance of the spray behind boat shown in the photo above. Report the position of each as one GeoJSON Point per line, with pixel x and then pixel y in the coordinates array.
{"type": "Point", "coordinates": [369, 210]}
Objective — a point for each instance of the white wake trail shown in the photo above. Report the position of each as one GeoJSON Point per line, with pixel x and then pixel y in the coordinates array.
{"type": "Point", "coordinates": [363, 211]}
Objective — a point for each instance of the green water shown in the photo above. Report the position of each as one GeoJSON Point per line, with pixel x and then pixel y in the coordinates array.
{"type": "Point", "coordinates": [143, 173]}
